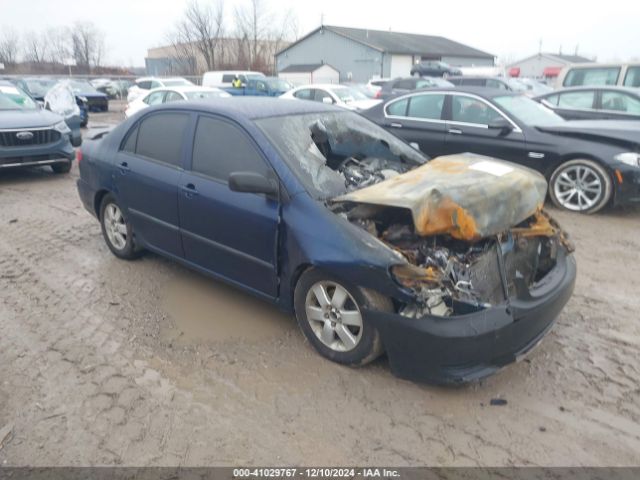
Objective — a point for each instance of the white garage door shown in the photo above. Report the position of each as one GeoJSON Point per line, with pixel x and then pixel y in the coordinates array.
{"type": "Point", "coordinates": [401, 65]}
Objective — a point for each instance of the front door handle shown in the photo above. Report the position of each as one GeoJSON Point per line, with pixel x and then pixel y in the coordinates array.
{"type": "Point", "coordinates": [396, 125]}
{"type": "Point", "coordinates": [124, 167]}
{"type": "Point", "coordinates": [455, 131]}
{"type": "Point", "coordinates": [189, 190]}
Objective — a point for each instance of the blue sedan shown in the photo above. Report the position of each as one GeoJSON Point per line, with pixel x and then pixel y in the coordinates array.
{"type": "Point", "coordinates": [450, 266]}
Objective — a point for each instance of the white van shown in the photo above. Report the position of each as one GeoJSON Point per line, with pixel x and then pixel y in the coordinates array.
{"type": "Point", "coordinates": [223, 78]}
{"type": "Point", "coordinates": [593, 74]}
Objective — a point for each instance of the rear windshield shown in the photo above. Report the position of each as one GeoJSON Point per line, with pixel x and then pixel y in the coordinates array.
{"type": "Point", "coordinates": [592, 76]}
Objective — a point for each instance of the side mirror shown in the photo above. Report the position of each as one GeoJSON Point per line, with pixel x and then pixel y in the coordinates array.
{"type": "Point", "coordinates": [501, 124]}
{"type": "Point", "coordinates": [327, 100]}
{"type": "Point", "coordinates": [250, 182]}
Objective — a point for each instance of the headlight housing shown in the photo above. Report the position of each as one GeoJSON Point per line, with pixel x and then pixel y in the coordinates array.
{"type": "Point", "coordinates": [61, 127]}
{"type": "Point", "coordinates": [630, 158]}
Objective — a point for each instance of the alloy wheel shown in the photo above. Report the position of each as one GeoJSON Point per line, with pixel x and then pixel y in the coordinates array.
{"type": "Point", "coordinates": [578, 188]}
{"type": "Point", "coordinates": [334, 316]}
{"type": "Point", "coordinates": [115, 226]}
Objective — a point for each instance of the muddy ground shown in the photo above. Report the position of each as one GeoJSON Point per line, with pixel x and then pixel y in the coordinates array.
{"type": "Point", "coordinates": [106, 362]}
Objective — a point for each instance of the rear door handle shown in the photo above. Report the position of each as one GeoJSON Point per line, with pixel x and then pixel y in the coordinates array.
{"type": "Point", "coordinates": [189, 190]}
{"type": "Point", "coordinates": [124, 167]}
{"type": "Point", "coordinates": [396, 125]}
{"type": "Point", "coordinates": [455, 131]}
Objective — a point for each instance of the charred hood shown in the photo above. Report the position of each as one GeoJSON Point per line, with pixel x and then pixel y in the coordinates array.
{"type": "Point", "coordinates": [466, 196]}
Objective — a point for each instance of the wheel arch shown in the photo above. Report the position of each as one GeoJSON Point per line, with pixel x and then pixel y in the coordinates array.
{"type": "Point", "coordinates": [97, 200]}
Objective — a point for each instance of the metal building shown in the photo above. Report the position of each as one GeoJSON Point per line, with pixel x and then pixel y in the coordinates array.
{"type": "Point", "coordinates": [545, 66]}
{"type": "Point", "coordinates": [360, 54]}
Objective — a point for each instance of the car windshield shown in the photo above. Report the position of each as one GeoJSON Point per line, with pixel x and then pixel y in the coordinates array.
{"type": "Point", "coordinates": [13, 99]}
{"type": "Point", "coordinates": [198, 94]}
{"type": "Point", "coordinates": [279, 85]}
{"type": "Point", "coordinates": [528, 111]}
{"type": "Point", "coordinates": [39, 88]}
{"type": "Point", "coordinates": [316, 145]}
{"type": "Point", "coordinates": [176, 82]}
{"type": "Point", "coordinates": [348, 94]}
{"type": "Point", "coordinates": [81, 86]}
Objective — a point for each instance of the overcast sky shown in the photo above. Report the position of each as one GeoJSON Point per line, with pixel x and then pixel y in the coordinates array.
{"type": "Point", "coordinates": [509, 29]}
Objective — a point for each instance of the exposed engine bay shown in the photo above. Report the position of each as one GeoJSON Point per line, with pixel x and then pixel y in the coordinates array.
{"type": "Point", "coordinates": [471, 228]}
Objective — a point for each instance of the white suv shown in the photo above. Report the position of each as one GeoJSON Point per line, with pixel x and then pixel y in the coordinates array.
{"type": "Point", "coordinates": [144, 84]}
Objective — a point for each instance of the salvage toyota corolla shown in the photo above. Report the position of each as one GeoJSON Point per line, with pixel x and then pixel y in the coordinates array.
{"type": "Point", "coordinates": [450, 266]}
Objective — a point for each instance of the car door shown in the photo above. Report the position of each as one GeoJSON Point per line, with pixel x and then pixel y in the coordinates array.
{"type": "Point", "coordinates": [146, 174]}
{"type": "Point", "coordinates": [467, 130]}
{"type": "Point", "coordinates": [418, 119]}
{"type": "Point", "coordinates": [230, 234]}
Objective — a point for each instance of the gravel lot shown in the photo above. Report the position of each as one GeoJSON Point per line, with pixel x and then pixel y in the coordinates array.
{"type": "Point", "coordinates": [105, 362]}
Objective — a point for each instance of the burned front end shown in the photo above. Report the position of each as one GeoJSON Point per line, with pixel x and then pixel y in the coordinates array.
{"type": "Point", "coordinates": [487, 268]}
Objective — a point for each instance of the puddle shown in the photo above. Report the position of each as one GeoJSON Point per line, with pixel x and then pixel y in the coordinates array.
{"type": "Point", "coordinates": [205, 310]}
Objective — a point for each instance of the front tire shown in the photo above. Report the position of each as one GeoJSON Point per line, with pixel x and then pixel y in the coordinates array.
{"type": "Point", "coordinates": [64, 167]}
{"type": "Point", "coordinates": [116, 229]}
{"type": "Point", "coordinates": [329, 313]}
{"type": "Point", "coordinates": [580, 185]}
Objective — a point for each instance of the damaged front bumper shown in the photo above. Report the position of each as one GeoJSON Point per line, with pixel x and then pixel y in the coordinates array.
{"type": "Point", "coordinates": [467, 347]}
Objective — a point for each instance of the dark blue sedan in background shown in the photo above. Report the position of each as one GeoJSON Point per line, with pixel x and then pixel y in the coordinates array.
{"type": "Point", "coordinates": [450, 265]}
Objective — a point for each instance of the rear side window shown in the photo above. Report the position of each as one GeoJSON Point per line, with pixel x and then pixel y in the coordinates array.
{"type": "Point", "coordinates": [426, 106]}
{"type": "Point", "coordinates": [145, 85]}
{"type": "Point", "coordinates": [221, 148]}
{"type": "Point", "coordinates": [552, 99]}
{"type": "Point", "coordinates": [632, 77]}
{"type": "Point", "coordinates": [474, 82]}
{"type": "Point", "coordinates": [160, 137]}
{"type": "Point", "coordinates": [582, 100]}
{"type": "Point", "coordinates": [305, 94]}
{"type": "Point", "coordinates": [398, 108]}
{"type": "Point", "coordinates": [492, 83]}
{"type": "Point", "coordinates": [227, 78]}
{"type": "Point", "coordinates": [591, 76]}
{"type": "Point", "coordinates": [130, 143]}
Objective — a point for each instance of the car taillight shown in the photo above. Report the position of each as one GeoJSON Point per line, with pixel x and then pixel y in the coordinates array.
{"type": "Point", "coordinates": [378, 94]}
{"type": "Point", "coordinates": [79, 155]}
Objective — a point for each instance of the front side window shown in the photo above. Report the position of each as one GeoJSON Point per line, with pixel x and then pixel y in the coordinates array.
{"type": "Point", "coordinates": [592, 76]}
{"type": "Point", "coordinates": [155, 84]}
{"type": "Point", "coordinates": [497, 84]}
{"type": "Point", "coordinates": [221, 148]}
{"type": "Point", "coordinates": [145, 85]}
{"type": "Point", "coordinates": [160, 137]}
{"type": "Point", "coordinates": [426, 106]}
{"type": "Point", "coordinates": [620, 102]}
{"type": "Point", "coordinates": [474, 82]}
{"type": "Point", "coordinates": [552, 100]}
{"type": "Point", "coordinates": [632, 77]}
{"type": "Point", "coordinates": [472, 110]}
{"type": "Point", "coordinates": [320, 95]}
{"type": "Point", "coordinates": [582, 100]}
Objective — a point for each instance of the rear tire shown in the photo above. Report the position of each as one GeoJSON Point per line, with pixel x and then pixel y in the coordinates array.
{"type": "Point", "coordinates": [116, 230]}
{"type": "Point", "coordinates": [64, 167]}
{"type": "Point", "coordinates": [580, 185]}
{"type": "Point", "coordinates": [336, 328]}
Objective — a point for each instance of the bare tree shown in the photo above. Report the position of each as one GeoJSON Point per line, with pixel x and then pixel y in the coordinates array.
{"type": "Point", "coordinates": [87, 44]}
{"type": "Point", "coordinates": [35, 47]}
{"type": "Point", "coordinates": [199, 35]}
{"type": "Point", "coordinates": [263, 33]}
{"type": "Point", "coordinates": [9, 46]}
{"type": "Point", "coordinates": [59, 44]}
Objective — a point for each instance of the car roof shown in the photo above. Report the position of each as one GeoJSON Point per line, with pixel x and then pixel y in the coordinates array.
{"type": "Point", "coordinates": [252, 108]}
{"type": "Point", "coordinates": [187, 88]}
{"type": "Point", "coordinates": [322, 85]}
{"type": "Point", "coordinates": [633, 91]}
{"type": "Point", "coordinates": [477, 77]}
{"type": "Point", "coordinates": [488, 93]}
